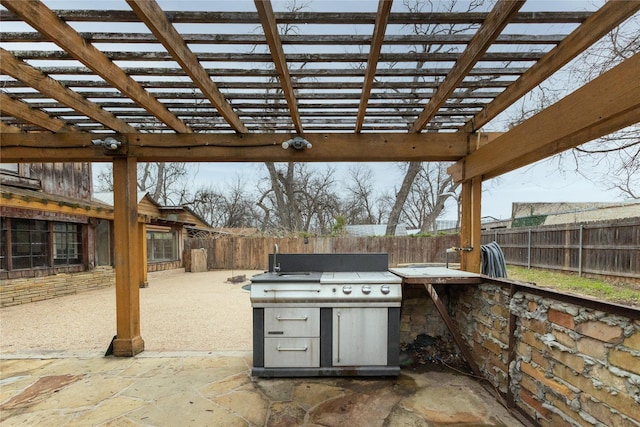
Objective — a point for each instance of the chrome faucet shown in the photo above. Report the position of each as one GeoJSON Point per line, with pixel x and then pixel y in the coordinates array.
{"type": "Point", "coordinates": [276, 266]}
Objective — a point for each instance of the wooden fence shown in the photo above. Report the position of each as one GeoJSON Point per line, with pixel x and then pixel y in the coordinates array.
{"type": "Point", "coordinates": [600, 249]}
{"type": "Point", "coordinates": [252, 253]}
{"type": "Point", "coordinates": [611, 250]}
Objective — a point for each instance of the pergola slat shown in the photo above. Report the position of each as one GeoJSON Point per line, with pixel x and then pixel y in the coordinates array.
{"type": "Point", "coordinates": [270, 29]}
{"type": "Point", "coordinates": [499, 17]}
{"type": "Point", "coordinates": [352, 18]}
{"type": "Point", "coordinates": [51, 88]}
{"type": "Point", "coordinates": [153, 16]}
{"type": "Point", "coordinates": [144, 56]}
{"type": "Point", "coordinates": [48, 23]}
{"type": "Point", "coordinates": [382, 16]}
{"type": "Point", "coordinates": [24, 112]}
{"type": "Point", "coordinates": [610, 15]}
{"type": "Point", "coordinates": [294, 39]}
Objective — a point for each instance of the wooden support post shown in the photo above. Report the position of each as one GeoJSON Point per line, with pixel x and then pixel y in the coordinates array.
{"type": "Point", "coordinates": [465, 223]}
{"type": "Point", "coordinates": [127, 342]}
{"type": "Point", "coordinates": [470, 227]}
{"type": "Point", "coordinates": [452, 329]}
{"type": "Point", "coordinates": [142, 228]}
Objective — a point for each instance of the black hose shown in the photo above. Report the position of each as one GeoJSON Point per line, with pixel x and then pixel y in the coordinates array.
{"type": "Point", "coordinates": [493, 264]}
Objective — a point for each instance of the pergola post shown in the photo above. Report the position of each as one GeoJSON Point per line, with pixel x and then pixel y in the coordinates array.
{"type": "Point", "coordinates": [126, 258]}
{"type": "Point", "coordinates": [470, 227]}
{"type": "Point", "coordinates": [142, 228]}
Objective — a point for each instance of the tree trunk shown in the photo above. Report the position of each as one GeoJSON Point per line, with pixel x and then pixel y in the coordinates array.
{"type": "Point", "coordinates": [277, 191]}
{"type": "Point", "coordinates": [401, 197]}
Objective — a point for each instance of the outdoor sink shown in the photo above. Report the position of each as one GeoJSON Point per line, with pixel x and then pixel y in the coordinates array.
{"type": "Point", "coordinates": [288, 277]}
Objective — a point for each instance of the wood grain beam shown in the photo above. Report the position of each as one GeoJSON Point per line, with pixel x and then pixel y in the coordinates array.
{"type": "Point", "coordinates": [605, 19]}
{"type": "Point", "coordinates": [270, 28]}
{"type": "Point", "coordinates": [24, 112]}
{"type": "Point", "coordinates": [501, 14]}
{"type": "Point", "coordinates": [349, 18]}
{"type": "Point", "coordinates": [5, 128]}
{"type": "Point", "coordinates": [156, 20]}
{"type": "Point", "coordinates": [44, 84]}
{"type": "Point", "coordinates": [127, 342]}
{"type": "Point", "coordinates": [608, 103]}
{"type": "Point", "coordinates": [327, 147]}
{"type": "Point", "coordinates": [379, 29]}
{"type": "Point", "coordinates": [10, 200]}
{"type": "Point", "coordinates": [40, 17]}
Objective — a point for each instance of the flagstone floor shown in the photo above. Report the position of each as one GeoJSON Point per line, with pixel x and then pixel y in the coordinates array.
{"type": "Point", "coordinates": [216, 389]}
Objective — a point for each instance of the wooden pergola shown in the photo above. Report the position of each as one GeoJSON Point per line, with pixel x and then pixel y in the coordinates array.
{"type": "Point", "coordinates": [211, 86]}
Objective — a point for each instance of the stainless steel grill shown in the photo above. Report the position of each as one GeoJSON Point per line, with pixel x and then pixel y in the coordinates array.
{"type": "Point", "coordinates": [322, 322]}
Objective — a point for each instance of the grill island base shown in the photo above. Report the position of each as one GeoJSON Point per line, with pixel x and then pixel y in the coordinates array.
{"type": "Point", "coordinates": [326, 315]}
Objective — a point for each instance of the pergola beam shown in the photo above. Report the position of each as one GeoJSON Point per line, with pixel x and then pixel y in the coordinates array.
{"type": "Point", "coordinates": [270, 28]}
{"type": "Point", "coordinates": [47, 86]}
{"type": "Point", "coordinates": [24, 112]}
{"type": "Point", "coordinates": [327, 147]}
{"type": "Point", "coordinates": [605, 19]}
{"type": "Point", "coordinates": [5, 128]}
{"type": "Point", "coordinates": [44, 20]}
{"type": "Point", "coordinates": [379, 29]}
{"type": "Point", "coordinates": [156, 20]}
{"type": "Point", "coordinates": [501, 14]}
{"type": "Point", "coordinates": [608, 103]}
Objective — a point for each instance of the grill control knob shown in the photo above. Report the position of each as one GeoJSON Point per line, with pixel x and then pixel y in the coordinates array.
{"type": "Point", "coordinates": [346, 289]}
{"type": "Point", "coordinates": [366, 289]}
{"type": "Point", "coordinates": [385, 289]}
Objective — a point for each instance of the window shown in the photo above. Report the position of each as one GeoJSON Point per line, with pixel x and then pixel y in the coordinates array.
{"type": "Point", "coordinates": [162, 245]}
{"type": "Point", "coordinates": [3, 244]}
{"type": "Point", "coordinates": [10, 167]}
{"type": "Point", "coordinates": [103, 243]}
{"type": "Point", "coordinates": [67, 241]}
{"type": "Point", "coordinates": [29, 243]}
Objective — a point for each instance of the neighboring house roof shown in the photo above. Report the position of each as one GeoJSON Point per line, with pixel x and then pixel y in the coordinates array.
{"type": "Point", "coordinates": [366, 230]}
{"type": "Point", "coordinates": [532, 214]}
{"type": "Point", "coordinates": [149, 207]}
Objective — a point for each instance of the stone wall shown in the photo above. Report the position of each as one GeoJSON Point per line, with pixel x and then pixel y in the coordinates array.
{"type": "Point", "coordinates": [571, 364]}
{"type": "Point", "coordinates": [420, 316]}
{"type": "Point", "coordinates": [25, 290]}
{"type": "Point", "coordinates": [162, 266]}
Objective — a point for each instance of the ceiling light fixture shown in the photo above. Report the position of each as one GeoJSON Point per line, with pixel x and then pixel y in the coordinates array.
{"type": "Point", "coordinates": [109, 143]}
{"type": "Point", "coordinates": [298, 142]}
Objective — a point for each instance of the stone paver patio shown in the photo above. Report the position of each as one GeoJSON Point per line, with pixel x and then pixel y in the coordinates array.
{"type": "Point", "coordinates": [216, 389]}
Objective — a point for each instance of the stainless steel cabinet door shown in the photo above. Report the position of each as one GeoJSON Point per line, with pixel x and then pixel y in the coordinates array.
{"type": "Point", "coordinates": [360, 336]}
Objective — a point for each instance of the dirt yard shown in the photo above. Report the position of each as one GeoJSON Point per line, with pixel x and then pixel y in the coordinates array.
{"type": "Point", "coordinates": [179, 312]}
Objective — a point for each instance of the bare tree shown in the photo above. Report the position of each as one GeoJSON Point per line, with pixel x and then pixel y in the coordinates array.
{"type": "Point", "coordinates": [295, 198]}
{"type": "Point", "coordinates": [413, 168]}
{"type": "Point", "coordinates": [361, 206]}
{"type": "Point", "coordinates": [420, 6]}
{"type": "Point", "coordinates": [430, 189]}
{"type": "Point", "coordinates": [166, 183]}
{"type": "Point", "coordinates": [232, 208]}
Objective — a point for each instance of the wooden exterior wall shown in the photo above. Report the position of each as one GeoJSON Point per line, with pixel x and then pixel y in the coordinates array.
{"type": "Point", "coordinates": [64, 179]}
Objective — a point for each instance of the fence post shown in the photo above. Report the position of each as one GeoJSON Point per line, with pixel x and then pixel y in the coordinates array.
{"type": "Point", "coordinates": [580, 252]}
{"type": "Point", "coordinates": [529, 251]}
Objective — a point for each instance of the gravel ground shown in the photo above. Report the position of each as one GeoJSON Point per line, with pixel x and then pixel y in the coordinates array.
{"type": "Point", "coordinates": [179, 312]}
